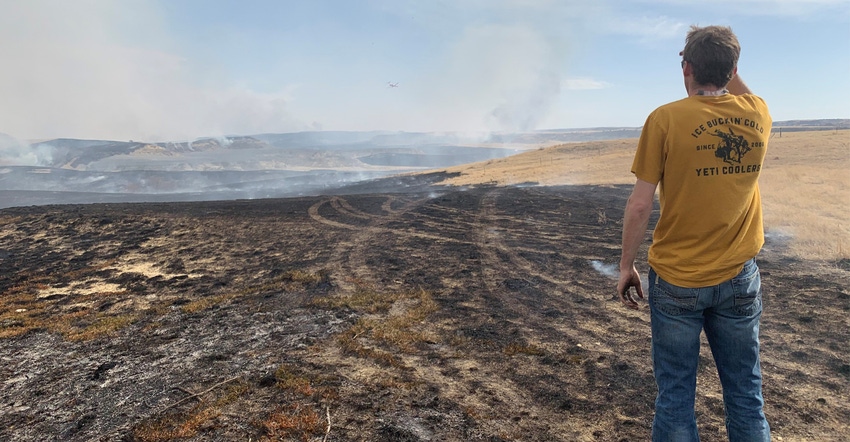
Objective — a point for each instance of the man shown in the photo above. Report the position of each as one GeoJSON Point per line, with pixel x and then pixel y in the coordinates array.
{"type": "Point", "coordinates": [704, 154]}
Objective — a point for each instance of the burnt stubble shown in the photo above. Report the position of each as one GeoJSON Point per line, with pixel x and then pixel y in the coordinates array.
{"type": "Point", "coordinates": [433, 314]}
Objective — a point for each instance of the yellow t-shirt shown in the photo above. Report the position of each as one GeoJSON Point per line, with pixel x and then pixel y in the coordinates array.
{"type": "Point", "coordinates": [705, 153]}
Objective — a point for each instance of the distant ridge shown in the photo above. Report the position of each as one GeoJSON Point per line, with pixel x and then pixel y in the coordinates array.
{"type": "Point", "coordinates": [839, 123]}
{"type": "Point", "coordinates": [65, 170]}
{"type": "Point", "coordinates": [809, 125]}
{"type": "Point", "coordinates": [324, 139]}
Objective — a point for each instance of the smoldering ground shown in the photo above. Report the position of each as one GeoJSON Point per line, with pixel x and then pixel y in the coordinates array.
{"type": "Point", "coordinates": [429, 315]}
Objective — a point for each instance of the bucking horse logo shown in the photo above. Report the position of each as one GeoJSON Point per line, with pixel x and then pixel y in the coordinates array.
{"type": "Point", "coordinates": [734, 147]}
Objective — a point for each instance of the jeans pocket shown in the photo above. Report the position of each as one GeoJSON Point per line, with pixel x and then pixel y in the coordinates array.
{"type": "Point", "coordinates": [747, 290]}
{"type": "Point", "coordinates": [671, 299]}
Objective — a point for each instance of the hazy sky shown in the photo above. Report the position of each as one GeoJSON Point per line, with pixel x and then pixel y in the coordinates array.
{"type": "Point", "coordinates": [181, 69]}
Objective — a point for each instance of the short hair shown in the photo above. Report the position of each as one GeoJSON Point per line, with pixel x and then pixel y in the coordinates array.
{"type": "Point", "coordinates": [713, 53]}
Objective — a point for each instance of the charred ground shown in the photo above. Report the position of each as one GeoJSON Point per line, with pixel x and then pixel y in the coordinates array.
{"type": "Point", "coordinates": [434, 314]}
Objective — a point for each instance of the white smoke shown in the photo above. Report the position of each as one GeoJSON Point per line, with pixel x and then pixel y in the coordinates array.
{"type": "Point", "coordinates": [81, 70]}
{"type": "Point", "coordinates": [608, 270]}
{"type": "Point", "coordinates": [778, 238]}
{"type": "Point", "coordinates": [14, 152]}
{"type": "Point", "coordinates": [223, 141]}
{"type": "Point", "coordinates": [496, 78]}
{"type": "Point", "coordinates": [612, 271]}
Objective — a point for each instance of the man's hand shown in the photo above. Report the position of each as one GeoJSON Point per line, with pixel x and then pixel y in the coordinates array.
{"type": "Point", "coordinates": [635, 220]}
{"type": "Point", "coordinates": [628, 279]}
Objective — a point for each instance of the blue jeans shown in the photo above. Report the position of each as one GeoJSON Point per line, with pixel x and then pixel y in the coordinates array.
{"type": "Point", "coordinates": [729, 313]}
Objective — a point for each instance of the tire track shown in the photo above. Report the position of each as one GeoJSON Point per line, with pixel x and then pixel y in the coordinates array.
{"type": "Point", "coordinates": [387, 206]}
{"type": "Point", "coordinates": [524, 292]}
{"type": "Point", "coordinates": [491, 241]}
{"type": "Point", "coordinates": [342, 206]}
{"type": "Point", "coordinates": [378, 223]}
{"type": "Point", "coordinates": [350, 255]}
{"type": "Point", "coordinates": [313, 211]}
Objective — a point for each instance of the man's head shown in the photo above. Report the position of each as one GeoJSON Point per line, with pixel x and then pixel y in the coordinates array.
{"type": "Point", "coordinates": [713, 53]}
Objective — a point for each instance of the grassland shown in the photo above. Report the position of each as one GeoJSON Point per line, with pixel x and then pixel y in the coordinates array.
{"type": "Point", "coordinates": [805, 183]}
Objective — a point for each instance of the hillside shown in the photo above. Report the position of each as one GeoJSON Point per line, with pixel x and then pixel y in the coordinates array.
{"type": "Point", "coordinates": [805, 187]}
{"type": "Point", "coordinates": [266, 165]}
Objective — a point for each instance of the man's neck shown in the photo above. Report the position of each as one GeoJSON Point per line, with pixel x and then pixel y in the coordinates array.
{"type": "Point", "coordinates": [710, 90]}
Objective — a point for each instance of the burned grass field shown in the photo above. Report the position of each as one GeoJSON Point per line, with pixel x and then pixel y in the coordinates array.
{"type": "Point", "coordinates": [450, 314]}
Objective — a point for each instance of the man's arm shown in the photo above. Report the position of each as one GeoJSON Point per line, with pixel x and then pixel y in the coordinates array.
{"type": "Point", "coordinates": [736, 86]}
{"type": "Point", "coordinates": [635, 222]}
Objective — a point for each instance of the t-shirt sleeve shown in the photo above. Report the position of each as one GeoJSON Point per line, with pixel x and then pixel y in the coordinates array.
{"type": "Point", "coordinates": [760, 106]}
{"type": "Point", "coordinates": [648, 164]}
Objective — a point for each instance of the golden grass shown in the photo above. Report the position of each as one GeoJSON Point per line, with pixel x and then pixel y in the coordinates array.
{"type": "Point", "coordinates": [806, 192]}
{"type": "Point", "coordinates": [362, 300]}
{"type": "Point", "coordinates": [22, 311]}
{"type": "Point", "coordinates": [103, 325]}
{"type": "Point", "coordinates": [32, 304]}
{"type": "Point", "coordinates": [598, 162]}
{"type": "Point", "coordinates": [804, 183]}
{"type": "Point", "coordinates": [399, 330]}
{"type": "Point", "coordinates": [389, 325]}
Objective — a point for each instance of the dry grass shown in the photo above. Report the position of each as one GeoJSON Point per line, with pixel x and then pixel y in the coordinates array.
{"type": "Point", "coordinates": [183, 425]}
{"type": "Point", "coordinates": [294, 421]}
{"type": "Point", "coordinates": [389, 325]}
{"type": "Point", "coordinates": [598, 162]}
{"type": "Point", "coordinates": [34, 304]}
{"type": "Point", "coordinates": [207, 302]}
{"type": "Point", "coordinates": [102, 325]}
{"type": "Point", "coordinates": [175, 427]}
{"type": "Point", "coordinates": [806, 192]}
{"type": "Point", "coordinates": [804, 183]}
{"type": "Point", "coordinates": [286, 282]}
{"type": "Point", "coordinates": [516, 348]}
{"type": "Point", "coordinates": [288, 379]}
{"type": "Point", "coordinates": [22, 311]}
{"type": "Point", "coordinates": [298, 418]}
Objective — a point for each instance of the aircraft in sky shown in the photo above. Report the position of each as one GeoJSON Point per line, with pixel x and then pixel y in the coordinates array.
{"type": "Point", "coordinates": [391, 84]}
